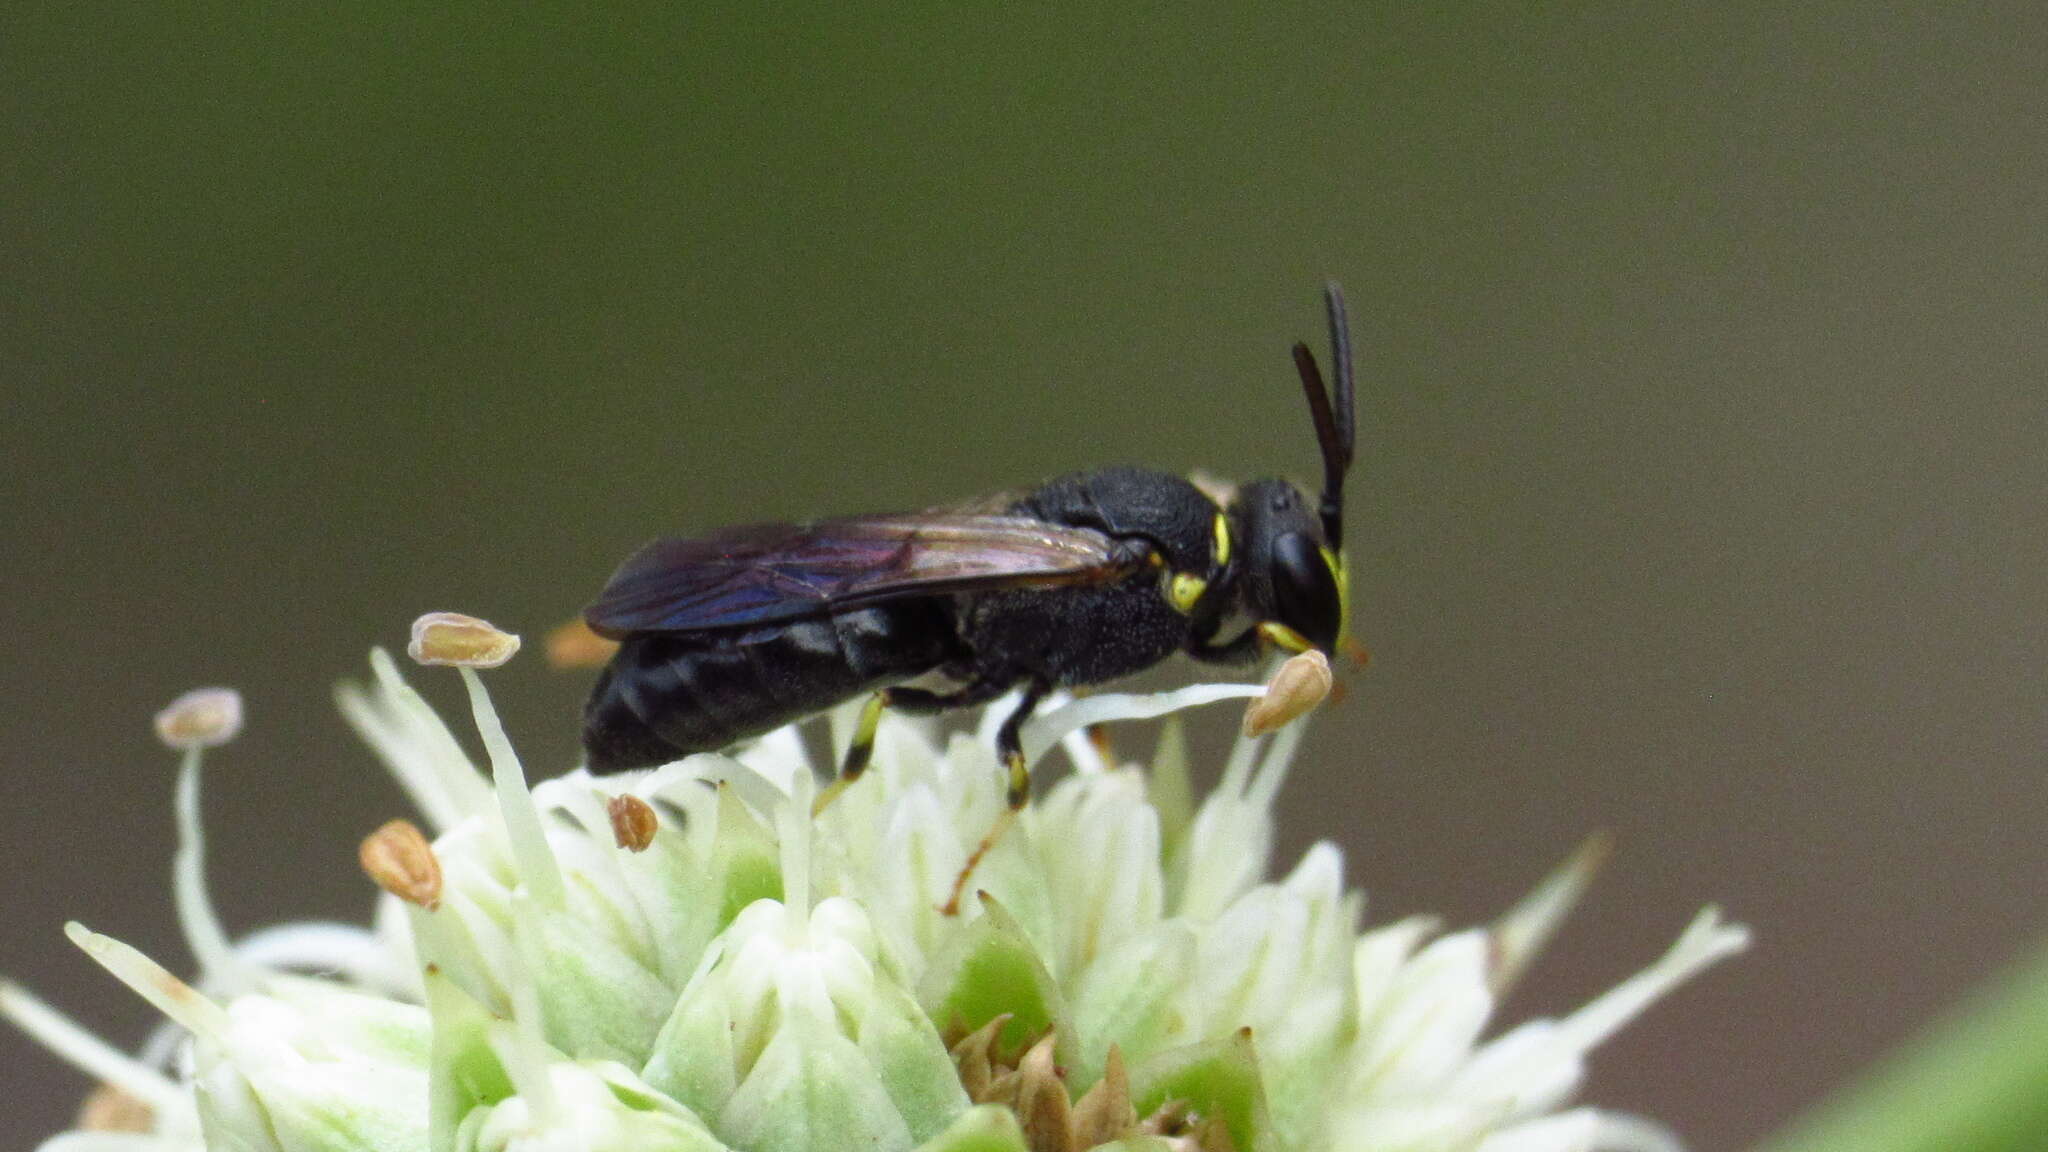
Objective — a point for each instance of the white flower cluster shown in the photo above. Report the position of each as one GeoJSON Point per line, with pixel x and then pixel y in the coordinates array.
{"type": "Point", "coordinates": [684, 959]}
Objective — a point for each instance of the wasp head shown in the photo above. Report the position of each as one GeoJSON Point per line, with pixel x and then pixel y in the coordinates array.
{"type": "Point", "coordinates": [1290, 575]}
{"type": "Point", "coordinates": [1293, 572]}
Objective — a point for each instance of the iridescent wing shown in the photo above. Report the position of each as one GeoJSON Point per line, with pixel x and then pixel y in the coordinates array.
{"type": "Point", "coordinates": [768, 572]}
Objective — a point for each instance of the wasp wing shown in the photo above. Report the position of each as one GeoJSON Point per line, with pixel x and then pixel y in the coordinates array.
{"type": "Point", "coordinates": [768, 572]}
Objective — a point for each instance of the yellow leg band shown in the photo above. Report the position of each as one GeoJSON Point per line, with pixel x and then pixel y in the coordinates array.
{"type": "Point", "coordinates": [858, 752]}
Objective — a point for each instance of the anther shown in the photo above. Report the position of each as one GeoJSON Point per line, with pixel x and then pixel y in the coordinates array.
{"type": "Point", "coordinates": [110, 1108]}
{"type": "Point", "coordinates": [201, 718]}
{"type": "Point", "coordinates": [633, 822]}
{"type": "Point", "coordinates": [463, 641]}
{"type": "Point", "coordinates": [398, 857]}
{"type": "Point", "coordinates": [1303, 682]}
{"type": "Point", "coordinates": [573, 645]}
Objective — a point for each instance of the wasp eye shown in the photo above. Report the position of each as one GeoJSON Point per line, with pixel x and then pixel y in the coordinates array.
{"type": "Point", "coordinates": [1305, 591]}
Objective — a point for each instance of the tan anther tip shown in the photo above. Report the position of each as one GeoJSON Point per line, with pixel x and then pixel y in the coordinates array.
{"type": "Point", "coordinates": [110, 1109]}
{"type": "Point", "coordinates": [201, 718]}
{"type": "Point", "coordinates": [573, 645]}
{"type": "Point", "coordinates": [463, 641]}
{"type": "Point", "coordinates": [398, 857]}
{"type": "Point", "coordinates": [633, 822]}
{"type": "Point", "coordinates": [1295, 690]}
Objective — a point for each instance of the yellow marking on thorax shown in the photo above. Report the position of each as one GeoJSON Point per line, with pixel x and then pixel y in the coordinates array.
{"type": "Point", "coordinates": [1183, 589]}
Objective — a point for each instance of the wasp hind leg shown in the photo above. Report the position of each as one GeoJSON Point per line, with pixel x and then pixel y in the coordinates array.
{"type": "Point", "coordinates": [1017, 789]}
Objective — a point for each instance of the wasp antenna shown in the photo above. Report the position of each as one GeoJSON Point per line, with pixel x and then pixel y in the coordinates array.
{"type": "Point", "coordinates": [1340, 365]}
{"type": "Point", "coordinates": [1335, 424]}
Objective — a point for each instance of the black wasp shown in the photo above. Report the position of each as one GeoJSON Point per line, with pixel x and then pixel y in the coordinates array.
{"type": "Point", "coordinates": [1086, 578]}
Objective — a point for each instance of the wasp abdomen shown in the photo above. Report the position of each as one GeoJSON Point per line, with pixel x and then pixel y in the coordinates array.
{"type": "Point", "coordinates": [668, 695]}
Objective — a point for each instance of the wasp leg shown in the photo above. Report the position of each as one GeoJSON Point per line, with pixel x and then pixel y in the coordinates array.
{"type": "Point", "coordinates": [917, 701]}
{"type": "Point", "coordinates": [859, 751]}
{"type": "Point", "coordinates": [1010, 746]}
{"type": "Point", "coordinates": [1239, 650]}
{"type": "Point", "coordinates": [1284, 638]}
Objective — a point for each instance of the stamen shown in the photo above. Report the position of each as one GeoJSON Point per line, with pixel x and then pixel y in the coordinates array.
{"type": "Point", "coordinates": [524, 1051]}
{"type": "Point", "coordinates": [201, 718]}
{"type": "Point", "coordinates": [633, 822]}
{"type": "Point", "coordinates": [415, 744]}
{"type": "Point", "coordinates": [1704, 941]}
{"type": "Point", "coordinates": [349, 951]}
{"type": "Point", "coordinates": [1237, 771]}
{"type": "Point", "coordinates": [72, 1043]}
{"type": "Point", "coordinates": [530, 852]}
{"type": "Point", "coordinates": [168, 994]}
{"type": "Point", "coordinates": [1265, 783]}
{"type": "Point", "coordinates": [793, 826]}
{"type": "Point", "coordinates": [398, 857]}
{"type": "Point", "coordinates": [465, 944]}
{"type": "Point", "coordinates": [525, 1063]}
{"type": "Point", "coordinates": [197, 917]}
{"type": "Point", "coordinates": [1522, 932]}
{"type": "Point", "coordinates": [1171, 788]}
{"type": "Point", "coordinates": [1044, 731]}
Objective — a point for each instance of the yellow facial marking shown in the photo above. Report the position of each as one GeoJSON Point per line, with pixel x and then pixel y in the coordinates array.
{"type": "Point", "coordinates": [1222, 547]}
{"type": "Point", "coordinates": [1281, 636]}
{"type": "Point", "coordinates": [1183, 590]}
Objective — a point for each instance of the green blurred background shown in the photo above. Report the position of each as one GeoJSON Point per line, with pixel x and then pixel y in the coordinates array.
{"type": "Point", "coordinates": [1701, 481]}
